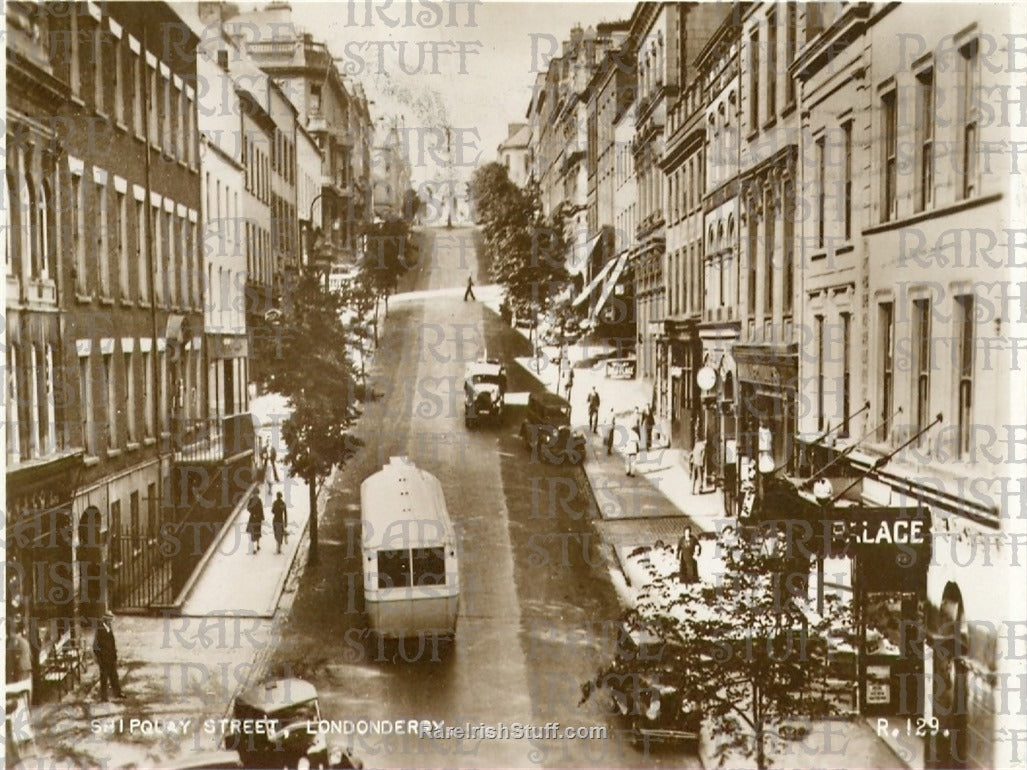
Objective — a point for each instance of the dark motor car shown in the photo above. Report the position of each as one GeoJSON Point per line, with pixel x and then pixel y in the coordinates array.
{"type": "Point", "coordinates": [484, 391]}
{"type": "Point", "coordinates": [546, 430]}
{"type": "Point", "coordinates": [292, 705]}
{"type": "Point", "coordinates": [644, 693]}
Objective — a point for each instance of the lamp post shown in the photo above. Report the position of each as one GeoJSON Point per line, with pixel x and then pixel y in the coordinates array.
{"type": "Point", "coordinates": [764, 462]}
{"type": "Point", "coordinates": [822, 493]}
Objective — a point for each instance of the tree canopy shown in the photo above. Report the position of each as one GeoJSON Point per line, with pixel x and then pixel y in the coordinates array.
{"type": "Point", "coordinates": [303, 356]}
{"type": "Point", "coordinates": [528, 250]}
{"type": "Point", "coordinates": [386, 254]}
{"type": "Point", "coordinates": [746, 651]}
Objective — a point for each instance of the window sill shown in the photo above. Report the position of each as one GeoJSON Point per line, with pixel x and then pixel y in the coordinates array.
{"type": "Point", "coordinates": [127, 303]}
{"type": "Point", "coordinates": [90, 460]}
{"type": "Point", "coordinates": [938, 211]}
{"type": "Point", "coordinates": [140, 138]}
{"type": "Point", "coordinates": [105, 300]}
{"type": "Point", "coordinates": [753, 133]}
{"type": "Point", "coordinates": [789, 108]}
{"type": "Point", "coordinates": [77, 100]}
{"type": "Point", "coordinates": [149, 441]}
{"type": "Point", "coordinates": [120, 126]}
{"type": "Point", "coordinates": [83, 298]}
{"type": "Point", "coordinates": [112, 453]}
{"type": "Point", "coordinates": [142, 303]}
{"type": "Point", "coordinates": [817, 256]}
{"type": "Point", "coordinates": [845, 248]}
{"type": "Point", "coordinates": [771, 121]}
{"type": "Point", "coordinates": [132, 446]}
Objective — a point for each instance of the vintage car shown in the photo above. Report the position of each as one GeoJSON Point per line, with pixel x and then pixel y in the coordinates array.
{"type": "Point", "coordinates": [272, 721]}
{"type": "Point", "coordinates": [546, 430]}
{"type": "Point", "coordinates": [644, 694]}
{"type": "Point", "coordinates": [484, 391]}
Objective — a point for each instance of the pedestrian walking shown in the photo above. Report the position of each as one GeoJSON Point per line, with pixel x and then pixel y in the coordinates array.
{"type": "Point", "coordinates": [696, 467]}
{"type": "Point", "coordinates": [688, 549]}
{"type": "Point", "coordinates": [636, 420]}
{"type": "Point", "coordinates": [256, 521]}
{"type": "Point", "coordinates": [274, 461]}
{"type": "Point", "coordinates": [105, 648]}
{"type": "Point", "coordinates": [631, 452]}
{"type": "Point", "coordinates": [612, 430]}
{"type": "Point", "coordinates": [568, 382]}
{"type": "Point", "coordinates": [279, 520]}
{"type": "Point", "coordinates": [593, 410]}
{"type": "Point", "coordinates": [648, 421]}
{"type": "Point", "coordinates": [469, 294]}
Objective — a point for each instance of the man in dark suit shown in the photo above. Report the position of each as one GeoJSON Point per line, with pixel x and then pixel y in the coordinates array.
{"type": "Point", "coordinates": [106, 651]}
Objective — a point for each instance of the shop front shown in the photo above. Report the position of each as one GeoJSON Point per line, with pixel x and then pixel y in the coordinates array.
{"type": "Point", "coordinates": [766, 405]}
{"type": "Point", "coordinates": [875, 559]}
{"type": "Point", "coordinates": [685, 359]}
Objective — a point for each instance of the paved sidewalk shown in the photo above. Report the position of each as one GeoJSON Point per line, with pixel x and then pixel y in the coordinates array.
{"type": "Point", "coordinates": [187, 666]}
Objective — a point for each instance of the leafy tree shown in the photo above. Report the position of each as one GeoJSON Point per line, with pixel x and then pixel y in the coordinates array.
{"type": "Point", "coordinates": [386, 255]}
{"type": "Point", "coordinates": [303, 355]}
{"type": "Point", "coordinates": [528, 249]}
{"type": "Point", "coordinates": [745, 652]}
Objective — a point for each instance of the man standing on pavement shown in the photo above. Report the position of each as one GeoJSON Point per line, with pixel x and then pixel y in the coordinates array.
{"type": "Point", "coordinates": [279, 520]}
{"type": "Point", "coordinates": [106, 651]}
{"type": "Point", "coordinates": [469, 294]}
{"type": "Point", "coordinates": [697, 466]}
{"type": "Point", "coordinates": [648, 421]}
{"type": "Point", "coordinates": [593, 409]}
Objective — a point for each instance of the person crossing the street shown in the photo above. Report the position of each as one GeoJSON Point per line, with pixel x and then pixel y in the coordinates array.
{"type": "Point", "coordinates": [469, 294]}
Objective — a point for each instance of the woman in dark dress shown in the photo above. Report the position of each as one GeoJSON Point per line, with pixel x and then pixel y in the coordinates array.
{"type": "Point", "coordinates": [256, 521]}
{"type": "Point", "coordinates": [688, 549]}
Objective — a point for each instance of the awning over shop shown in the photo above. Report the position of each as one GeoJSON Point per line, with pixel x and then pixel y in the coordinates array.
{"type": "Point", "coordinates": [611, 282]}
{"type": "Point", "coordinates": [587, 291]}
{"type": "Point", "coordinates": [577, 263]}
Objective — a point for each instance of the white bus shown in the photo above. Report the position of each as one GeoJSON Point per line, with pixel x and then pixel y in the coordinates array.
{"type": "Point", "coordinates": [411, 575]}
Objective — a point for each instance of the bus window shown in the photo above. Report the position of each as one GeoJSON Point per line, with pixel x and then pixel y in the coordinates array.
{"type": "Point", "coordinates": [394, 568]}
{"type": "Point", "coordinates": [429, 566]}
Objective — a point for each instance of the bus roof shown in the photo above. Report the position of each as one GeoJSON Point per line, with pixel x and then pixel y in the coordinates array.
{"type": "Point", "coordinates": [402, 506]}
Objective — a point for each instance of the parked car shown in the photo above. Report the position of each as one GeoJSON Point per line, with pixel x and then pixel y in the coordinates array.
{"type": "Point", "coordinates": [292, 705]}
{"type": "Point", "coordinates": [484, 391]}
{"type": "Point", "coordinates": [546, 430]}
{"type": "Point", "coordinates": [647, 699]}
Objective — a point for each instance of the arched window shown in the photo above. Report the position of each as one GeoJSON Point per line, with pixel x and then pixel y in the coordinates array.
{"type": "Point", "coordinates": [49, 231]}
{"type": "Point", "coordinates": [12, 209]}
{"type": "Point", "coordinates": [27, 199]}
{"type": "Point", "coordinates": [13, 424]}
{"type": "Point", "coordinates": [50, 399]}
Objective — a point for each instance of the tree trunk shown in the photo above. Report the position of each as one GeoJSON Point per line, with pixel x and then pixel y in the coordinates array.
{"type": "Point", "coordinates": [761, 757]}
{"type": "Point", "coordinates": [312, 490]}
